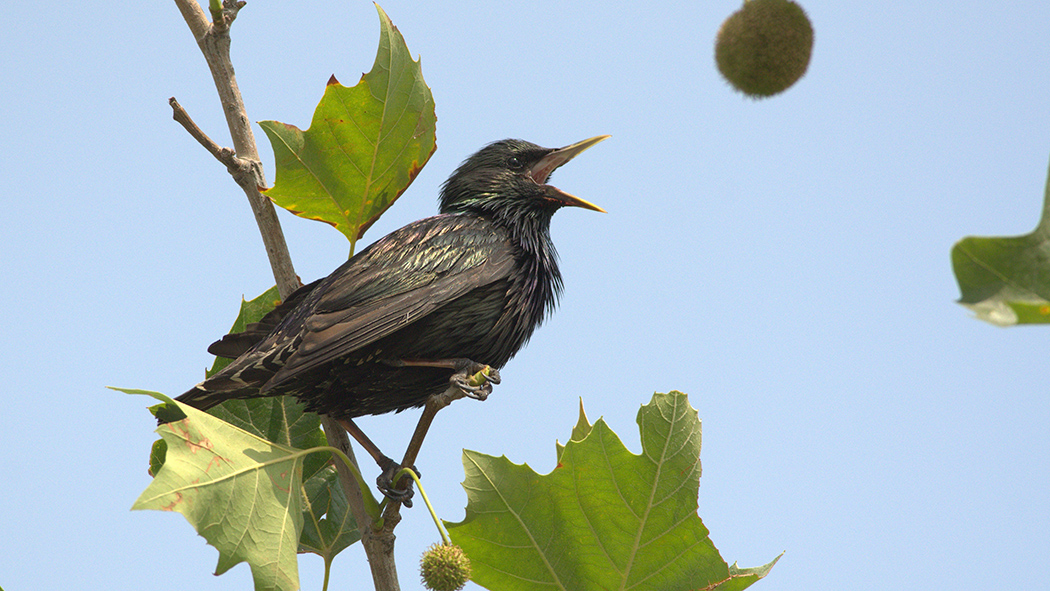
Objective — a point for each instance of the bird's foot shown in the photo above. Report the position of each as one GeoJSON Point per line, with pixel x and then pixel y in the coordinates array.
{"type": "Point", "coordinates": [472, 378]}
{"type": "Point", "coordinates": [475, 380]}
{"type": "Point", "coordinates": [389, 488]}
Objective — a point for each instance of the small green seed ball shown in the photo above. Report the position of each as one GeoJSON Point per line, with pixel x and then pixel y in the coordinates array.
{"type": "Point", "coordinates": [764, 48]}
{"type": "Point", "coordinates": [444, 567]}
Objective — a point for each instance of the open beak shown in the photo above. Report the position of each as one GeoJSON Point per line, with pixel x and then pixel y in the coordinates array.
{"type": "Point", "coordinates": [542, 169]}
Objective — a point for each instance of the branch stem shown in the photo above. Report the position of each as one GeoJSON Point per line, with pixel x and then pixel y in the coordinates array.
{"type": "Point", "coordinates": [213, 39]}
{"type": "Point", "coordinates": [214, 43]}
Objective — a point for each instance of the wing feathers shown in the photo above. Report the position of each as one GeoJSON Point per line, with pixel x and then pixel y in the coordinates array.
{"type": "Point", "coordinates": [349, 330]}
{"type": "Point", "coordinates": [390, 285]}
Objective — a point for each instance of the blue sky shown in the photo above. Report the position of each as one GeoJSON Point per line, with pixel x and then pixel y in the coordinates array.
{"type": "Point", "coordinates": [784, 262]}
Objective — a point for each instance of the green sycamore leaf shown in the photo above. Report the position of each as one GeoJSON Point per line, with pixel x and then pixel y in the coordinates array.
{"type": "Point", "coordinates": [604, 518]}
{"type": "Point", "coordinates": [239, 491]}
{"type": "Point", "coordinates": [742, 578]}
{"type": "Point", "coordinates": [1006, 280]}
{"type": "Point", "coordinates": [329, 527]}
{"type": "Point", "coordinates": [579, 431]}
{"type": "Point", "coordinates": [364, 146]}
{"type": "Point", "coordinates": [157, 452]}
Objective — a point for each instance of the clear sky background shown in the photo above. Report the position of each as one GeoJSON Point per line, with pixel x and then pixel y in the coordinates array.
{"type": "Point", "coordinates": [784, 262]}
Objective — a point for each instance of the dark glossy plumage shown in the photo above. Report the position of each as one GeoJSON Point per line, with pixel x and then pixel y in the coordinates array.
{"type": "Point", "coordinates": [472, 282]}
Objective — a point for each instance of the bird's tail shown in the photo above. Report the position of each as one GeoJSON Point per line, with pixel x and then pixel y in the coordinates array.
{"type": "Point", "coordinates": [212, 392]}
{"type": "Point", "coordinates": [202, 399]}
{"type": "Point", "coordinates": [228, 384]}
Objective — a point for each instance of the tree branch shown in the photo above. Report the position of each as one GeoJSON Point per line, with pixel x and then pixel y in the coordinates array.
{"type": "Point", "coordinates": [246, 168]}
{"type": "Point", "coordinates": [237, 167]}
{"type": "Point", "coordinates": [378, 543]}
{"type": "Point", "coordinates": [214, 43]}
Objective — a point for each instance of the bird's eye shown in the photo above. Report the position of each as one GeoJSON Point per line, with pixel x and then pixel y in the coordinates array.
{"type": "Point", "coordinates": [515, 163]}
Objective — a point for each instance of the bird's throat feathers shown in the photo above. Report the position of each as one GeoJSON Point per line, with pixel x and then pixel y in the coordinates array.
{"type": "Point", "coordinates": [536, 255]}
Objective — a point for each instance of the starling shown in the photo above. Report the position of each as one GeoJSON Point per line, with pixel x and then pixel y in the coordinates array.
{"type": "Point", "coordinates": [430, 303]}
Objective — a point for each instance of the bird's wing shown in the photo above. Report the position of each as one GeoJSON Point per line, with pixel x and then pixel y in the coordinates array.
{"type": "Point", "coordinates": [399, 279]}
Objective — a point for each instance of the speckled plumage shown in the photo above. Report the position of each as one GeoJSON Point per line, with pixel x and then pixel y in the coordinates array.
{"type": "Point", "coordinates": [473, 282]}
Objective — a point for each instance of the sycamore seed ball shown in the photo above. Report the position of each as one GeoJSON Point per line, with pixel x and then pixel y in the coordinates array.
{"type": "Point", "coordinates": [764, 48]}
{"type": "Point", "coordinates": [444, 567]}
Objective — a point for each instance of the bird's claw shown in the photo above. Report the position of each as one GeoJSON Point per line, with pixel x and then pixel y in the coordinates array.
{"type": "Point", "coordinates": [466, 380]}
{"type": "Point", "coordinates": [492, 375]}
{"type": "Point", "coordinates": [388, 487]}
{"type": "Point", "coordinates": [476, 392]}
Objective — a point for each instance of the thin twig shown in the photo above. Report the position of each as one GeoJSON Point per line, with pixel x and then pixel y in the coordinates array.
{"type": "Point", "coordinates": [225, 155]}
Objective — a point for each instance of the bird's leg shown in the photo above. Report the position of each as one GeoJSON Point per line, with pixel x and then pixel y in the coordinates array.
{"type": "Point", "coordinates": [389, 467]}
{"type": "Point", "coordinates": [430, 409]}
{"type": "Point", "coordinates": [459, 387]}
{"type": "Point", "coordinates": [465, 370]}
{"type": "Point", "coordinates": [463, 383]}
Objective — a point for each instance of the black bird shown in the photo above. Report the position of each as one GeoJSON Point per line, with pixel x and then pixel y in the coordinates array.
{"type": "Point", "coordinates": [432, 302]}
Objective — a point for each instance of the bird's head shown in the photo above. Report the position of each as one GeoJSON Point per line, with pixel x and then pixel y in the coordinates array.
{"type": "Point", "coordinates": [510, 176]}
